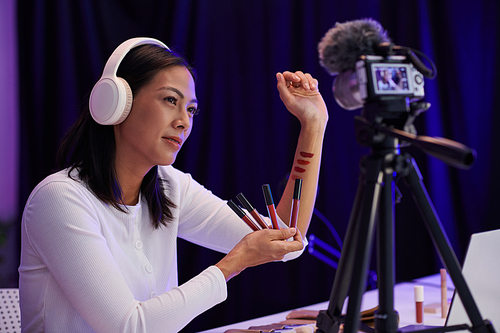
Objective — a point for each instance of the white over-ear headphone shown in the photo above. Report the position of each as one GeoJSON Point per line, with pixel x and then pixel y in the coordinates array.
{"type": "Point", "coordinates": [111, 98]}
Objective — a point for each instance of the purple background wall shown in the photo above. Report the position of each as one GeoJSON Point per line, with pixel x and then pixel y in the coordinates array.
{"type": "Point", "coordinates": [244, 137]}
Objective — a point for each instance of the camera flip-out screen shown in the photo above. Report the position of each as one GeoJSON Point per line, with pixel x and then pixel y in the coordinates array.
{"type": "Point", "coordinates": [391, 79]}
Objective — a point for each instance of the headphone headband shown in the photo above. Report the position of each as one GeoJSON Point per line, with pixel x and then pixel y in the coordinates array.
{"type": "Point", "coordinates": [121, 51]}
{"type": "Point", "coordinates": [111, 98]}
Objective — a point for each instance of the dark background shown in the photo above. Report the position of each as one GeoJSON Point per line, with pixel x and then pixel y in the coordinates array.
{"type": "Point", "coordinates": [244, 137]}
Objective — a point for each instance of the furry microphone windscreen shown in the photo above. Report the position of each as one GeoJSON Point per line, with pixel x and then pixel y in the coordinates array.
{"type": "Point", "coordinates": [342, 45]}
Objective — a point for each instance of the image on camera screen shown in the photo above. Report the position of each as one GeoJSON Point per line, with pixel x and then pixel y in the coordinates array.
{"type": "Point", "coordinates": [390, 79]}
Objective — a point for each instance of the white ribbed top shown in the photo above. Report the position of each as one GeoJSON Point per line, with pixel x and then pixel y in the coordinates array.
{"type": "Point", "coordinates": [87, 267]}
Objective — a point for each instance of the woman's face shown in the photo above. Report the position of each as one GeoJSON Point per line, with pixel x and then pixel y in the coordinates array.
{"type": "Point", "coordinates": [159, 122]}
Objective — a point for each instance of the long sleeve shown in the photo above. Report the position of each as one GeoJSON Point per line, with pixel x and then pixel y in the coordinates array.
{"type": "Point", "coordinates": [78, 273]}
{"type": "Point", "coordinates": [88, 267]}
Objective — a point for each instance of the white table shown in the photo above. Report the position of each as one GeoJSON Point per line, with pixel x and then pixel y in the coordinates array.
{"type": "Point", "coordinates": [404, 303]}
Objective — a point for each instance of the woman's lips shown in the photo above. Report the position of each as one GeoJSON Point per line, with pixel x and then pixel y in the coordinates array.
{"type": "Point", "coordinates": [174, 141]}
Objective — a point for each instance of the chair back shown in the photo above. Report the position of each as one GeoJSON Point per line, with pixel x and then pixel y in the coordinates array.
{"type": "Point", "coordinates": [10, 314]}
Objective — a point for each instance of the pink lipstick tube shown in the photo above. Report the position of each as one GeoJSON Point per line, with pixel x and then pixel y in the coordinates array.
{"type": "Point", "coordinates": [444, 295]}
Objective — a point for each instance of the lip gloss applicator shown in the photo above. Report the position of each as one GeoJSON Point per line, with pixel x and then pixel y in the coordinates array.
{"type": "Point", "coordinates": [270, 205]}
{"type": "Point", "coordinates": [242, 215]}
{"type": "Point", "coordinates": [419, 304]}
{"type": "Point", "coordinates": [444, 298]}
{"type": "Point", "coordinates": [296, 202]}
{"type": "Point", "coordinates": [252, 211]}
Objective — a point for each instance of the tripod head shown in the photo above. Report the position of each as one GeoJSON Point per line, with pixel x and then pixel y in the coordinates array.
{"type": "Point", "coordinates": [394, 118]}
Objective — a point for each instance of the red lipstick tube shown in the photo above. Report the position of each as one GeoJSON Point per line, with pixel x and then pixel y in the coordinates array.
{"type": "Point", "coordinates": [242, 215]}
{"type": "Point", "coordinates": [270, 205]}
{"type": "Point", "coordinates": [252, 211]}
{"type": "Point", "coordinates": [419, 304]}
{"type": "Point", "coordinates": [296, 203]}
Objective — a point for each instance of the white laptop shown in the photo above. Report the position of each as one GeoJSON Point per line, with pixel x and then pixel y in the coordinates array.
{"type": "Point", "coordinates": [481, 271]}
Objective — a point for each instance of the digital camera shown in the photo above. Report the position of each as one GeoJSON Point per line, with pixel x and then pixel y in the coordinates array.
{"type": "Point", "coordinates": [378, 78]}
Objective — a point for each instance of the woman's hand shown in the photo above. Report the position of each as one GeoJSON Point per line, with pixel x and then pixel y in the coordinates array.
{"type": "Point", "coordinates": [258, 248]}
{"type": "Point", "coordinates": [299, 92]}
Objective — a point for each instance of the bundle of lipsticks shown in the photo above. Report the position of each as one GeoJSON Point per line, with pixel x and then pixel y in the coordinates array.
{"type": "Point", "coordinates": [257, 223]}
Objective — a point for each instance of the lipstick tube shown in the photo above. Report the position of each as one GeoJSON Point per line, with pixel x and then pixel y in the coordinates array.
{"type": "Point", "coordinates": [252, 211]}
{"type": "Point", "coordinates": [419, 304]}
{"type": "Point", "coordinates": [270, 205]}
{"type": "Point", "coordinates": [296, 202]}
{"type": "Point", "coordinates": [444, 296]}
{"type": "Point", "coordinates": [242, 215]}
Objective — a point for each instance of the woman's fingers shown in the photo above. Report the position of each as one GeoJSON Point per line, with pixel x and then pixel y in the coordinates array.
{"type": "Point", "coordinates": [300, 80]}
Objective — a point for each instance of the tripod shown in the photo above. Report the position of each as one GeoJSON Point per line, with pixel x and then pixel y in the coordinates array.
{"type": "Point", "coordinates": [382, 125]}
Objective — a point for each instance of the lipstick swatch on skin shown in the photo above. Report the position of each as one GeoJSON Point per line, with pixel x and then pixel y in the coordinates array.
{"type": "Point", "coordinates": [302, 162]}
{"type": "Point", "coordinates": [299, 169]}
{"type": "Point", "coordinates": [307, 155]}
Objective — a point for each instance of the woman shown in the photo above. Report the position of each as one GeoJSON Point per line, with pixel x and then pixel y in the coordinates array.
{"type": "Point", "coordinates": [99, 237]}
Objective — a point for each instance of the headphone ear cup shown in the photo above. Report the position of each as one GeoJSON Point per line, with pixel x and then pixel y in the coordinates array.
{"type": "Point", "coordinates": [111, 98]}
{"type": "Point", "coordinates": [127, 100]}
{"type": "Point", "coordinates": [110, 101]}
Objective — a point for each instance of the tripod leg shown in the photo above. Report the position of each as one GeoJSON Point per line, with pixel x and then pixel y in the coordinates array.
{"type": "Point", "coordinates": [386, 319]}
{"type": "Point", "coordinates": [366, 224]}
{"type": "Point", "coordinates": [355, 251]}
{"type": "Point", "coordinates": [442, 243]}
{"type": "Point", "coordinates": [329, 321]}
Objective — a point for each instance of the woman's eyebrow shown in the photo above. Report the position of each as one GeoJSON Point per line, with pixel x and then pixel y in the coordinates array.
{"type": "Point", "coordinates": [178, 92]}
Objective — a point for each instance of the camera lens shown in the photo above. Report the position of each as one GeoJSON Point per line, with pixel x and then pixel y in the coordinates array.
{"type": "Point", "coordinates": [346, 91]}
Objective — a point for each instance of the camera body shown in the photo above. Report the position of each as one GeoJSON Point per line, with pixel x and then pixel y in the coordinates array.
{"type": "Point", "coordinates": [378, 78]}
